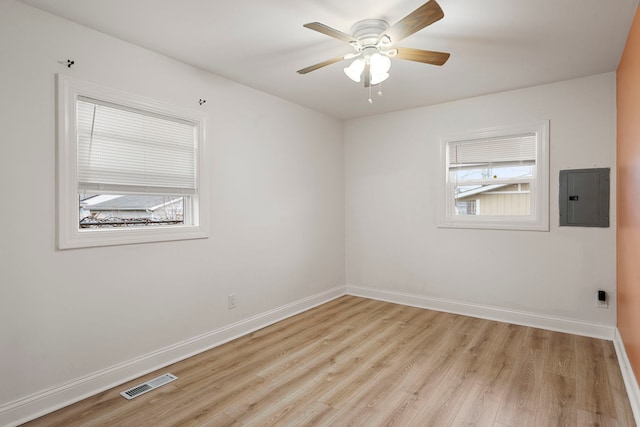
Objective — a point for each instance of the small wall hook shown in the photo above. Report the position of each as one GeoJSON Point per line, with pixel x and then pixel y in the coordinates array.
{"type": "Point", "coordinates": [202, 101]}
{"type": "Point", "coordinates": [70, 63]}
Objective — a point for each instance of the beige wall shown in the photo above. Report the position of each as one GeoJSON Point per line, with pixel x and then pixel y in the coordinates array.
{"type": "Point", "coordinates": [628, 195]}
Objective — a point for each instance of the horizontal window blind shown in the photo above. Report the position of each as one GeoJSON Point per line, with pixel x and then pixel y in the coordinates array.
{"type": "Point", "coordinates": [121, 148]}
{"type": "Point", "coordinates": [502, 150]}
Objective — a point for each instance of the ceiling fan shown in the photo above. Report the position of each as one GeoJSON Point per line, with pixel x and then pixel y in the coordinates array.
{"type": "Point", "coordinates": [373, 41]}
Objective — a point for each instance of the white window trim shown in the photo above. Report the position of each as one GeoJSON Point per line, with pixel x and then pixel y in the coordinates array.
{"type": "Point", "coordinates": [69, 233]}
{"type": "Point", "coordinates": [538, 221]}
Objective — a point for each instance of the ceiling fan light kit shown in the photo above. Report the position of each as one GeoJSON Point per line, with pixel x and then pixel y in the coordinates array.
{"type": "Point", "coordinates": [373, 41]}
{"type": "Point", "coordinates": [379, 66]}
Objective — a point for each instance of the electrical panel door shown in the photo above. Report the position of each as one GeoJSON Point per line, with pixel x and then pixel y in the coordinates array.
{"type": "Point", "coordinates": [584, 197]}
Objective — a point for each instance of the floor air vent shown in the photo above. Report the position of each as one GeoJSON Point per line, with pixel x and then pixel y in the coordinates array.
{"type": "Point", "coordinates": [148, 386]}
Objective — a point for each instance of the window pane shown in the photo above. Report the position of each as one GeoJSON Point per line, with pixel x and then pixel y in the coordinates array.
{"type": "Point", "coordinates": [130, 210]}
{"type": "Point", "coordinates": [493, 199]}
{"type": "Point", "coordinates": [492, 171]}
{"type": "Point", "coordinates": [468, 207]}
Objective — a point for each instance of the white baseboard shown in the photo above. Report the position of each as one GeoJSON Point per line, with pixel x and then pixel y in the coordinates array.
{"type": "Point", "coordinates": [630, 382]}
{"type": "Point", "coordinates": [46, 401]}
{"type": "Point", "coordinates": [552, 323]}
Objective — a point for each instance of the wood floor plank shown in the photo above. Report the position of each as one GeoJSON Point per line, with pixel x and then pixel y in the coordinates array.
{"type": "Point", "coordinates": [503, 355]}
{"type": "Point", "coordinates": [217, 420]}
{"type": "Point", "coordinates": [480, 406]}
{"type": "Point", "coordinates": [442, 405]}
{"type": "Point", "coordinates": [519, 405]}
{"type": "Point", "coordinates": [557, 404]}
{"type": "Point", "coordinates": [561, 355]}
{"type": "Point", "coordinates": [355, 361]}
{"type": "Point", "coordinates": [593, 391]}
{"type": "Point", "coordinates": [480, 350]}
{"type": "Point", "coordinates": [623, 407]}
{"type": "Point", "coordinates": [590, 419]}
{"type": "Point", "coordinates": [495, 367]}
{"type": "Point", "coordinates": [441, 356]}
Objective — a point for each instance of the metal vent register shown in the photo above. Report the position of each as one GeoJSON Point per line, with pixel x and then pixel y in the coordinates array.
{"type": "Point", "coordinates": [148, 386]}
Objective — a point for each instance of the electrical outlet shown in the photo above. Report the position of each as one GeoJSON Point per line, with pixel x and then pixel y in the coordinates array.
{"type": "Point", "coordinates": [232, 301]}
{"type": "Point", "coordinates": [601, 304]}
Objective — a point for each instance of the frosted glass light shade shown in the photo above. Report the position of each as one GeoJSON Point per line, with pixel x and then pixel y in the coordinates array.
{"type": "Point", "coordinates": [379, 78]}
{"type": "Point", "coordinates": [354, 71]}
{"type": "Point", "coordinates": [380, 64]}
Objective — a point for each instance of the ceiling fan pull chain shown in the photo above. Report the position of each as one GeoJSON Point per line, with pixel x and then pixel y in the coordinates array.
{"type": "Point", "coordinates": [370, 100]}
{"type": "Point", "coordinates": [380, 89]}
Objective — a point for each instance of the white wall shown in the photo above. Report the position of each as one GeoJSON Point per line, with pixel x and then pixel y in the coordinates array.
{"type": "Point", "coordinates": [393, 244]}
{"type": "Point", "coordinates": [277, 213]}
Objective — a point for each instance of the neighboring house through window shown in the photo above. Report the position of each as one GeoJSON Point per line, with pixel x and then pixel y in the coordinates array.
{"type": "Point", "coordinates": [103, 211]}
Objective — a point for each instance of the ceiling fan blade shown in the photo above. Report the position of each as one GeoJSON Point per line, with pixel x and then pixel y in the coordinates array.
{"type": "Point", "coordinates": [423, 16]}
{"type": "Point", "coordinates": [331, 32]}
{"type": "Point", "coordinates": [367, 74]}
{"type": "Point", "coordinates": [321, 64]}
{"type": "Point", "coordinates": [418, 55]}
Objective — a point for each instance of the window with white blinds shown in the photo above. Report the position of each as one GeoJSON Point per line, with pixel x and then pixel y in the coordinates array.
{"type": "Point", "coordinates": [515, 149]}
{"type": "Point", "coordinates": [502, 170]}
{"type": "Point", "coordinates": [131, 169]}
{"type": "Point", "coordinates": [125, 149]}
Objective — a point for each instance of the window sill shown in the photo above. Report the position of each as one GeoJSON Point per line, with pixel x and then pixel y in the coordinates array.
{"type": "Point", "coordinates": [489, 223]}
{"type": "Point", "coordinates": [94, 238]}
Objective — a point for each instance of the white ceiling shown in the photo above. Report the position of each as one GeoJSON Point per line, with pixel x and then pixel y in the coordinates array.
{"type": "Point", "coordinates": [495, 45]}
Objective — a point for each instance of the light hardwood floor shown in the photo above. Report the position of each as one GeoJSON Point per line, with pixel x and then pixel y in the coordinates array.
{"type": "Point", "coordinates": [355, 361]}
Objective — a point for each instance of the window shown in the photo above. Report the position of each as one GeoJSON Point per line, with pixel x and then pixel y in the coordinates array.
{"type": "Point", "coordinates": [131, 169]}
{"type": "Point", "coordinates": [504, 171]}
{"type": "Point", "coordinates": [467, 207]}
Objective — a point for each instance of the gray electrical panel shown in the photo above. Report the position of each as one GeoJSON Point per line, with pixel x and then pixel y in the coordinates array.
{"type": "Point", "coordinates": [584, 197]}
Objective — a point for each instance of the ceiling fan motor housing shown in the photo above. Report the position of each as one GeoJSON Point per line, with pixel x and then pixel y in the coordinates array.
{"type": "Point", "coordinates": [368, 31]}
